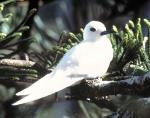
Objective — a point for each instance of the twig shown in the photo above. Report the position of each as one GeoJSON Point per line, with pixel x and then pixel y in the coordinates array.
{"type": "Point", "coordinates": [16, 63]}
{"type": "Point", "coordinates": [28, 66]}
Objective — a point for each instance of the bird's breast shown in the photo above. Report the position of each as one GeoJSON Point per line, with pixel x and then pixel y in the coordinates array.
{"type": "Point", "coordinates": [94, 60]}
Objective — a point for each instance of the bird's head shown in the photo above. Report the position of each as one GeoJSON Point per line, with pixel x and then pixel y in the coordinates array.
{"type": "Point", "coordinates": [94, 30]}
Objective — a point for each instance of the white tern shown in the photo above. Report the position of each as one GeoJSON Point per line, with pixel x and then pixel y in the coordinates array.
{"type": "Point", "coordinates": [88, 59]}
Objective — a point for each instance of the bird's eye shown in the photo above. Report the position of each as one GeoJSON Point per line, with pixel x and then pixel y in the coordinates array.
{"type": "Point", "coordinates": [92, 29]}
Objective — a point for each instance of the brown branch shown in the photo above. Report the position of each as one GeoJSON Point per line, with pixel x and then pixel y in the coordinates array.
{"type": "Point", "coordinates": [16, 63]}
{"type": "Point", "coordinates": [11, 69]}
{"type": "Point", "coordinates": [137, 85]}
{"type": "Point", "coordinates": [23, 64]}
{"type": "Point", "coordinates": [97, 89]}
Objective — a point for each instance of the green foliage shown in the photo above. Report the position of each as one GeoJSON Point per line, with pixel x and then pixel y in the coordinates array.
{"type": "Point", "coordinates": [131, 48]}
{"type": "Point", "coordinates": [10, 40]}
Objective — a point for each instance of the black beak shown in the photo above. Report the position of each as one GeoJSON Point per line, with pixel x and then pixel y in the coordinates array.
{"type": "Point", "coordinates": [106, 32]}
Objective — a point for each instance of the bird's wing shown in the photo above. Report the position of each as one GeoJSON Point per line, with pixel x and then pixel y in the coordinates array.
{"type": "Point", "coordinates": [49, 87]}
{"type": "Point", "coordinates": [63, 65]}
{"type": "Point", "coordinates": [34, 86]}
{"type": "Point", "coordinates": [54, 82]}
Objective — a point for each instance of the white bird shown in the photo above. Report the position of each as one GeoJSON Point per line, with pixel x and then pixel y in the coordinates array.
{"type": "Point", "coordinates": [90, 58]}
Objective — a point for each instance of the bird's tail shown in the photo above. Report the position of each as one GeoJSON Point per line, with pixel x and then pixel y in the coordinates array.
{"type": "Point", "coordinates": [44, 87]}
{"type": "Point", "coordinates": [35, 85]}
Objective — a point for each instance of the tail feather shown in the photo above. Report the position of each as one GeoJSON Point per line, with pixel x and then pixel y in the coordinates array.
{"type": "Point", "coordinates": [51, 86]}
{"type": "Point", "coordinates": [34, 86]}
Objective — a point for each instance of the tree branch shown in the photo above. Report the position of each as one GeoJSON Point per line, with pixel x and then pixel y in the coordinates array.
{"type": "Point", "coordinates": [137, 85]}
{"type": "Point", "coordinates": [23, 64]}
{"type": "Point", "coordinates": [96, 89]}
{"type": "Point", "coordinates": [16, 63]}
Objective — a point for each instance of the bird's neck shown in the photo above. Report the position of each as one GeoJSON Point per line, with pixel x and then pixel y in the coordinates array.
{"type": "Point", "coordinates": [98, 40]}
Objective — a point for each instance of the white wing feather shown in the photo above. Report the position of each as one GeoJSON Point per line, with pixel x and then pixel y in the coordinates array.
{"type": "Point", "coordinates": [34, 86]}
{"type": "Point", "coordinates": [49, 87]}
{"type": "Point", "coordinates": [53, 82]}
